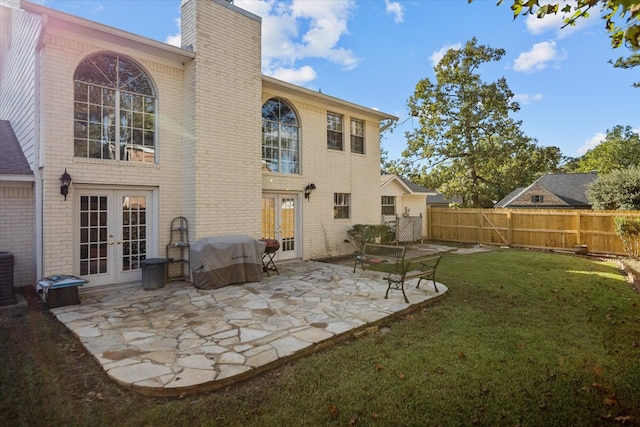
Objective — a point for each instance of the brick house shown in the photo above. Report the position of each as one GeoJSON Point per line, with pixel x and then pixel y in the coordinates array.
{"type": "Point", "coordinates": [149, 132]}
{"type": "Point", "coordinates": [552, 191]}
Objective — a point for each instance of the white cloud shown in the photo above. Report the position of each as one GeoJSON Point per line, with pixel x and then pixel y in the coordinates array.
{"type": "Point", "coordinates": [302, 29]}
{"type": "Point", "coordinates": [298, 76]}
{"type": "Point", "coordinates": [525, 98]}
{"type": "Point", "coordinates": [394, 8]}
{"type": "Point", "coordinates": [175, 39]}
{"type": "Point", "coordinates": [298, 30]}
{"type": "Point", "coordinates": [591, 143]}
{"type": "Point", "coordinates": [439, 54]}
{"type": "Point", "coordinates": [555, 22]}
{"type": "Point", "coordinates": [537, 58]}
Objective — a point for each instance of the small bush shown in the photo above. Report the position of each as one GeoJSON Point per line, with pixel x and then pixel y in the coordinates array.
{"type": "Point", "coordinates": [371, 233]}
{"type": "Point", "coordinates": [628, 229]}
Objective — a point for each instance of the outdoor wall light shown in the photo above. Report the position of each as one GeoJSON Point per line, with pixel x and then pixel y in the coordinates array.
{"type": "Point", "coordinates": [66, 182]}
{"type": "Point", "coordinates": [307, 190]}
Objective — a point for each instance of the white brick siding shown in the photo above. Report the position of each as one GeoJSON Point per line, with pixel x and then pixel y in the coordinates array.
{"type": "Point", "coordinates": [17, 210]}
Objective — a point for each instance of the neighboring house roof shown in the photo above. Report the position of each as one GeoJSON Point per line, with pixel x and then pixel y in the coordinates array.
{"type": "Point", "coordinates": [509, 197]}
{"type": "Point", "coordinates": [570, 188]}
{"type": "Point", "coordinates": [12, 160]}
{"type": "Point", "coordinates": [439, 199]}
{"type": "Point", "coordinates": [410, 187]}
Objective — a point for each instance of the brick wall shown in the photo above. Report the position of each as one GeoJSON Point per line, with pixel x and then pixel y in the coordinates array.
{"type": "Point", "coordinates": [222, 149]}
{"type": "Point", "coordinates": [61, 55]}
{"type": "Point", "coordinates": [17, 209]}
{"type": "Point", "coordinates": [332, 172]}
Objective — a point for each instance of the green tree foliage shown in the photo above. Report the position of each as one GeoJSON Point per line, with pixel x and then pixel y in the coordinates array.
{"type": "Point", "coordinates": [622, 20]}
{"type": "Point", "coordinates": [618, 190]}
{"type": "Point", "coordinates": [466, 145]}
{"type": "Point", "coordinates": [627, 11]}
{"type": "Point", "coordinates": [630, 62]}
{"type": "Point", "coordinates": [619, 150]}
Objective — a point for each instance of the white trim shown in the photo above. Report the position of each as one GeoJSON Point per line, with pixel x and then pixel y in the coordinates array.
{"type": "Point", "coordinates": [17, 178]}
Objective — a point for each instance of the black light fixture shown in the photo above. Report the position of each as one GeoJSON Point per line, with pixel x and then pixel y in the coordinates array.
{"type": "Point", "coordinates": [307, 190]}
{"type": "Point", "coordinates": [66, 182]}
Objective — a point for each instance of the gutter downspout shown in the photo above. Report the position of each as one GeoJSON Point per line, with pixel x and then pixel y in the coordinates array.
{"type": "Point", "coordinates": [38, 171]}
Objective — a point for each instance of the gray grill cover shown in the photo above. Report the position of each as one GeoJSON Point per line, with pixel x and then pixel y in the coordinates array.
{"type": "Point", "coordinates": [223, 260]}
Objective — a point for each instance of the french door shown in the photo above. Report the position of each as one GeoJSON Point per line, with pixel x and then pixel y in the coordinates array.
{"type": "Point", "coordinates": [280, 222]}
{"type": "Point", "coordinates": [114, 233]}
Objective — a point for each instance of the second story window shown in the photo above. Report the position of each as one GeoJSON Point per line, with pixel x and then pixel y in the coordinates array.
{"type": "Point", "coordinates": [334, 131]}
{"type": "Point", "coordinates": [280, 137]}
{"type": "Point", "coordinates": [114, 110]}
{"type": "Point", "coordinates": [357, 136]}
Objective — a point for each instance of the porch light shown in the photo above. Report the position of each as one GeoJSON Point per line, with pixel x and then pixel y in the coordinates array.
{"type": "Point", "coordinates": [66, 182]}
{"type": "Point", "coordinates": [307, 190]}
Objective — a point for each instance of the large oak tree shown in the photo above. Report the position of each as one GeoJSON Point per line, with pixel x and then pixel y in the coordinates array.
{"type": "Point", "coordinates": [465, 144]}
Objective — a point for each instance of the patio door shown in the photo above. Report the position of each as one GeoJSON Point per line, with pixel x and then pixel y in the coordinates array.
{"type": "Point", "coordinates": [280, 222]}
{"type": "Point", "coordinates": [113, 235]}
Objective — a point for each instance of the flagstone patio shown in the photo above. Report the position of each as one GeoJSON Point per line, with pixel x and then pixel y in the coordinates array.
{"type": "Point", "coordinates": [179, 340]}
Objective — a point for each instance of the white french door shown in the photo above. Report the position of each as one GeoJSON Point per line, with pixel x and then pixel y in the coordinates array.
{"type": "Point", "coordinates": [280, 222]}
{"type": "Point", "coordinates": [113, 234]}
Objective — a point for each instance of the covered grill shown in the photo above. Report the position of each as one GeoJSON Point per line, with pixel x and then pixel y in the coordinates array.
{"type": "Point", "coordinates": [223, 260]}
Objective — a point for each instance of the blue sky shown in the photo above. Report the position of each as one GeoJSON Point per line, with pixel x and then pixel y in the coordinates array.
{"type": "Point", "coordinates": [373, 52]}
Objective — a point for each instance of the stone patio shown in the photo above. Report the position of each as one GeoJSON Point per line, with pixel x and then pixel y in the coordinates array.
{"type": "Point", "coordinates": [179, 340]}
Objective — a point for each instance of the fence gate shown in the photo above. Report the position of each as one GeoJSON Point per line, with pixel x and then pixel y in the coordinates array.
{"type": "Point", "coordinates": [408, 228]}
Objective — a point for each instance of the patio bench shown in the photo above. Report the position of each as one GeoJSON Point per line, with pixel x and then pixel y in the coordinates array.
{"type": "Point", "coordinates": [421, 268]}
{"type": "Point", "coordinates": [374, 254]}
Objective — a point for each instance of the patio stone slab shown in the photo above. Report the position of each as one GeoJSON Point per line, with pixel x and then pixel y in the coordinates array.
{"type": "Point", "coordinates": [179, 339]}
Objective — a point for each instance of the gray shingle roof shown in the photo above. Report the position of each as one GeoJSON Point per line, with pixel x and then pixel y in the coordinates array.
{"type": "Point", "coordinates": [12, 160]}
{"type": "Point", "coordinates": [570, 187]}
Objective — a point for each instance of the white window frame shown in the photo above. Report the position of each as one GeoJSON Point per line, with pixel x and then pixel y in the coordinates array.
{"type": "Point", "coordinates": [341, 205]}
{"type": "Point", "coordinates": [384, 205]}
{"type": "Point", "coordinates": [357, 136]}
{"type": "Point", "coordinates": [335, 137]}
{"type": "Point", "coordinates": [112, 122]}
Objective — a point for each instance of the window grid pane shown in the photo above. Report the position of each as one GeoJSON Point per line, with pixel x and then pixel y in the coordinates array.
{"type": "Point", "coordinates": [357, 136]}
{"type": "Point", "coordinates": [388, 205]}
{"type": "Point", "coordinates": [103, 131]}
{"type": "Point", "coordinates": [280, 138]}
{"type": "Point", "coordinates": [334, 131]}
{"type": "Point", "coordinates": [341, 205]}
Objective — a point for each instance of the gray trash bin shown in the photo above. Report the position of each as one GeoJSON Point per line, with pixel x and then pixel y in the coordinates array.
{"type": "Point", "coordinates": [153, 272]}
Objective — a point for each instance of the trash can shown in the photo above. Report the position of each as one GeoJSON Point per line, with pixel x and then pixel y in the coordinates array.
{"type": "Point", "coordinates": [7, 293]}
{"type": "Point", "coordinates": [153, 273]}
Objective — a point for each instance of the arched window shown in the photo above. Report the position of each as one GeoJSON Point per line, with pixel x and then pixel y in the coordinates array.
{"type": "Point", "coordinates": [114, 110]}
{"type": "Point", "coordinates": [280, 137]}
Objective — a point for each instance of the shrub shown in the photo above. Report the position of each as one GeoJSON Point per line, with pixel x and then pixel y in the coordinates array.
{"type": "Point", "coordinates": [618, 190]}
{"type": "Point", "coordinates": [628, 229]}
{"type": "Point", "coordinates": [371, 233]}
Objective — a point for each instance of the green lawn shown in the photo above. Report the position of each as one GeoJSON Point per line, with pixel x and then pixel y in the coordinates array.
{"type": "Point", "coordinates": [522, 339]}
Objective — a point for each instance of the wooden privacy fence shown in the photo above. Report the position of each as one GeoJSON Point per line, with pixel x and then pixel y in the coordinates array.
{"type": "Point", "coordinates": [539, 229]}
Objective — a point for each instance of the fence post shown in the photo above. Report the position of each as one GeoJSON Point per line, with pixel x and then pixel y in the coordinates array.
{"type": "Point", "coordinates": [509, 227]}
{"type": "Point", "coordinates": [578, 237]}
